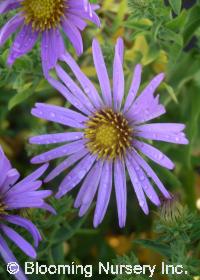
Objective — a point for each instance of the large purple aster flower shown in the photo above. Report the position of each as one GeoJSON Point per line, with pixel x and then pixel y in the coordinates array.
{"type": "Point", "coordinates": [109, 136]}
{"type": "Point", "coordinates": [13, 197]}
{"type": "Point", "coordinates": [45, 19]}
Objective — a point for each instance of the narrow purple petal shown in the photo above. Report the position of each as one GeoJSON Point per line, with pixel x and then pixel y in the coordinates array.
{"type": "Point", "coordinates": [86, 84]}
{"type": "Point", "coordinates": [22, 188]}
{"type": "Point", "coordinates": [59, 114]}
{"type": "Point", "coordinates": [91, 187]}
{"type": "Point", "coordinates": [77, 21]}
{"type": "Point", "coordinates": [11, 178]}
{"type": "Point", "coordinates": [144, 182]}
{"type": "Point", "coordinates": [52, 48]}
{"type": "Point", "coordinates": [8, 5]}
{"type": "Point", "coordinates": [120, 190]}
{"type": "Point", "coordinates": [168, 132]}
{"type": "Point", "coordinates": [10, 27]}
{"type": "Point", "coordinates": [68, 95]}
{"type": "Point", "coordinates": [149, 171]}
{"type": "Point", "coordinates": [154, 154]}
{"type": "Point", "coordinates": [5, 166]}
{"type": "Point", "coordinates": [56, 138]}
{"type": "Point", "coordinates": [75, 90]}
{"type": "Point", "coordinates": [104, 193]}
{"type": "Point", "coordinates": [61, 151]}
{"type": "Point", "coordinates": [66, 164]}
{"type": "Point", "coordinates": [28, 225]}
{"type": "Point", "coordinates": [34, 175]}
{"type": "Point", "coordinates": [137, 186]}
{"type": "Point", "coordinates": [102, 72]}
{"type": "Point", "coordinates": [118, 77]}
{"type": "Point", "coordinates": [74, 35]}
{"type": "Point", "coordinates": [134, 87]}
{"type": "Point", "coordinates": [8, 256]}
{"type": "Point", "coordinates": [19, 241]}
{"type": "Point", "coordinates": [76, 175]}
{"type": "Point", "coordinates": [22, 44]}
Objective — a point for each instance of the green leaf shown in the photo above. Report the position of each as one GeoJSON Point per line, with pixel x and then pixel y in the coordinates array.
{"type": "Point", "coordinates": [171, 92]}
{"type": "Point", "coordinates": [176, 5]}
{"type": "Point", "coordinates": [192, 25]}
{"type": "Point", "coordinates": [22, 95]}
{"type": "Point", "coordinates": [161, 248]}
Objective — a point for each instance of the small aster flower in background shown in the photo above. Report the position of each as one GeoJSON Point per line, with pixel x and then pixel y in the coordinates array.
{"type": "Point", "coordinates": [45, 19]}
{"type": "Point", "coordinates": [107, 140]}
{"type": "Point", "coordinates": [13, 197]}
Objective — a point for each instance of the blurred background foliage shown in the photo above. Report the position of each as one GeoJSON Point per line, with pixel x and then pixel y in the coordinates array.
{"type": "Point", "coordinates": [163, 36]}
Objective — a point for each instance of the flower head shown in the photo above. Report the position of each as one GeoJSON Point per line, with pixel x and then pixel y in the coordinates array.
{"type": "Point", "coordinates": [108, 137]}
{"type": "Point", "coordinates": [13, 197]}
{"type": "Point", "coordinates": [45, 19]}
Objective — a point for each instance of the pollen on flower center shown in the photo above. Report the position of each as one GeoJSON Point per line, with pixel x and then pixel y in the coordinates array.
{"type": "Point", "coordinates": [43, 14]}
{"type": "Point", "coordinates": [109, 134]}
{"type": "Point", "coordinates": [2, 208]}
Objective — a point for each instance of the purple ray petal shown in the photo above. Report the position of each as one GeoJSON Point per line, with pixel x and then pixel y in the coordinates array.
{"type": "Point", "coordinates": [147, 93]}
{"type": "Point", "coordinates": [68, 95]}
{"type": "Point", "coordinates": [76, 175]}
{"type": "Point", "coordinates": [8, 5]}
{"type": "Point", "coordinates": [104, 193]}
{"type": "Point", "coordinates": [49, 208]}
{"type": "Point", "coordinates": [61, 151]}
{"type": "Point", "coordinates": [65, 164]}
{"type": "Point", "coordinates": [102, 72]}
{"type": "Point", "coordinates": [75, 90]}
{"type": "Point", "coordinates": [151, 110]}
{"type": "Point", "coordinates": [149, 171]}
{"type": "Point", "coordinates": [28, 225]}
{"type": "Point", "coordinates": [10, 27]}
{"type": "Point", "coordinates": [8, 257]}
{"type": "Point", "coordinates": [52, 48]}
{"type": "Point", "coordinates": [23, 43]}
{"type": "Point", "coordinates": [77, 21]}
{"type": "Point", "coordinates": [23, 187]}
{"type": "Point", "coordinates": [118, 77]}
{"type": "Point", "coordinates": [154, 154]}
{"type": "Point", "coordinates": [134, 87]}
{"type": "Point", "coordinates": [5, 166]}
{"type": "Point", "coordinates": [11, 178]}
{"type": "Point", "coordinates": [74, 35]}
{"type": "Point", "coordinates": [85, 15]}
{"type": "Point", "coordinates": [56, 138]}
{"type": "Point", "coordinates": [90, 187]}
{"type": "Point", "coordinates": [86, 84]}
{"type": "Point", "coordinates": [58, 114]}
{"type": "Point", "coordinates": [34, 175]}
{"type": "Point", "coordinates": [120, 190]}
{"type": "Point", "coordinates": [19, 241]}
{"type": "Point", "coordinates": [144, 181]}
{"type": "Point", "coordinates": [168, 132]}
{"type": "Point", "coordinates": [137, 186]}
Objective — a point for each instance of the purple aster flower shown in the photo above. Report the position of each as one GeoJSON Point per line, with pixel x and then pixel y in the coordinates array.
{"type": "Point", "coordinates": [45, 19]}
{"type": "Point", "coordinates": [108, 137]}
{"type": "Point", "coordinates": [13, 197]}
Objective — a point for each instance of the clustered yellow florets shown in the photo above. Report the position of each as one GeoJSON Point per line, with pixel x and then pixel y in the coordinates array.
{"type": "Point", "coordinates": [109, 134]}
{"type": "Point", "coordinates": [43, 14]}
{"type": "Point", "coordinates": [2, 208]}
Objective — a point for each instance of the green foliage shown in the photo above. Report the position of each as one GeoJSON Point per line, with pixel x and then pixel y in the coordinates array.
{"type": "Point", "coordinates": [159, 37]}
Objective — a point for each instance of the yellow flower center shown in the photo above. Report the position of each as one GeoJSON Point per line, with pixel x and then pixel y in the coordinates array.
{"type": "Point", "coordinates": [109, 134]}
{"type": "Point", "coordinates": [2, 208]}
{"type": "Point", "coordinates": [43, 14]}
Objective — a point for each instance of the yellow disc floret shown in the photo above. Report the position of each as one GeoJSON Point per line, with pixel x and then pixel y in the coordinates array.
{"type": "Point", "coordinates": [109, 134]}
{"type": "Point", "coordinates": [2, 208]}
{"type": "Point", "coordinates": [43, 14]}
